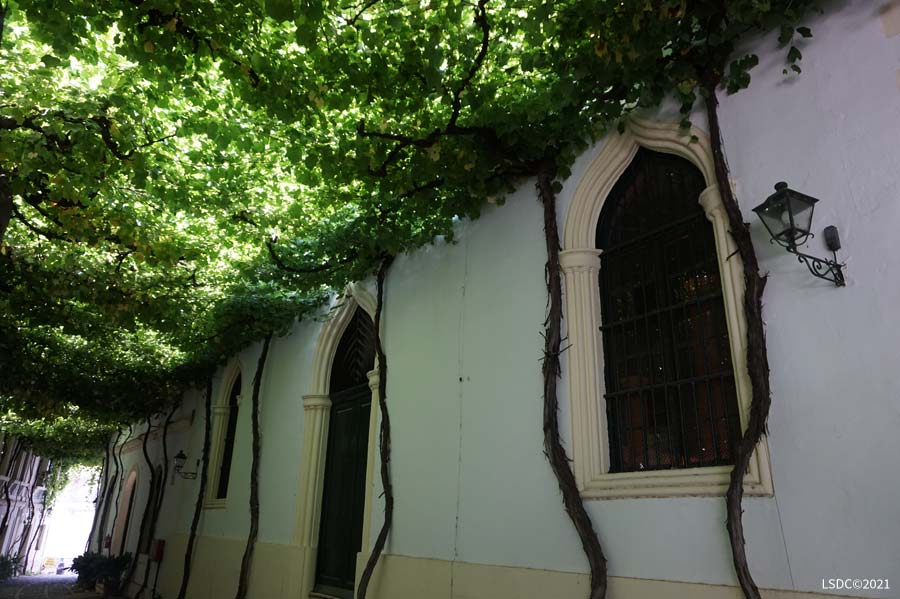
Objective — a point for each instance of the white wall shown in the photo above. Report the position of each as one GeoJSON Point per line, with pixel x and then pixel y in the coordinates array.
{"type": "Point", "coordinates": [462, 335]}
{"type": "Point", "coordinates": [831, 133]}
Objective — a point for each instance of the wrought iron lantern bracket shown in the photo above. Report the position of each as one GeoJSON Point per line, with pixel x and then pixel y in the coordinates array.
{"type": "Point", "coordinates": [830, 270]}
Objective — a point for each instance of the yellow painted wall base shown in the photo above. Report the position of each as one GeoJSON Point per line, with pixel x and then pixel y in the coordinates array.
{"type": "Point", "coordinates": [217, 565]}
{"type": "Point", "coordinates": [275, 575]}
{"type": "Point", "coordinates": [399, 577]}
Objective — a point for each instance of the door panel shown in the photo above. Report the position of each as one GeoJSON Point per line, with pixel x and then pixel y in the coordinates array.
{"type": "Point", "coordinates": [340, 532]}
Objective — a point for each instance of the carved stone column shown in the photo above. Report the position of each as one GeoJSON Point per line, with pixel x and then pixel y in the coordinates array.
{"type": "Point", "coordinates": [731, 269]}
{"type": "Point", "coordinates": [581, 268]}
{"type": "Point", "coordinates": [371, 454]}
{"type": "Point", "coordinates": [316, 413]}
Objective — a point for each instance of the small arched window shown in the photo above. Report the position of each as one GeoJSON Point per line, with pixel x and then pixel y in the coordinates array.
{"type": "Point", "coordinates": [228, 441]}
{"type": "Point", "coordinates": [670, 392]}
{"type": "Point", "coordinates": [123, 518]}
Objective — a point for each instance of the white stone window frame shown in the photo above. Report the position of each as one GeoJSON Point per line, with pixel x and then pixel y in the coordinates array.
{"type": "Point", "coordinates": [218, 429]}
{"type": "Point", "coordinates": [580, 262]}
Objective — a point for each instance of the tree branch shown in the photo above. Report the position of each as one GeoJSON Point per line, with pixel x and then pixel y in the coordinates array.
{"type": "Point", "coordinates": [362, 9]}
{"type": "Point", "coordinates": [174, 23]}
{"type": "Point", "coordinates": [556, 454]}
{"type": "Point", "coordinates": [403, 142]}
{"type": "Point", "coordinates": [201, 492]}
{"type": "Point", "coordinates": [325, 266]}
{"type": "Point", "coordinates": [385, 440]}
{"type": "Point", "coordinates": [247, 560]}
{"type": "Point", "coordinates": [757, 360]}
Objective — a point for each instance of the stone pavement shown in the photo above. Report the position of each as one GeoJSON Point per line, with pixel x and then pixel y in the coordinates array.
{"type": "Point", "coordinates": [42, 587]}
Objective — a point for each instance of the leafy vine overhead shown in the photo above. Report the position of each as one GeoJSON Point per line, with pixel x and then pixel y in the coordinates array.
{"type": "Point", "coordinates": [180, 179]}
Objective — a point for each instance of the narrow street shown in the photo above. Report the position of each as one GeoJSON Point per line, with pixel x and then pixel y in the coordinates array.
{"type": "Point", "coordinates": [43, 587]}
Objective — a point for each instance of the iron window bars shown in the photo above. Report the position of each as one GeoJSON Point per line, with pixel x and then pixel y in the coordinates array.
{"type": "Point", "coordinates": [670, 395]}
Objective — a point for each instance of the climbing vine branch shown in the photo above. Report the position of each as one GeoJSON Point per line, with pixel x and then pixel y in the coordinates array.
{"type": "Point", "coordinates": [384, 445]}
{"type": "Point", "coordinates": [553, 448]}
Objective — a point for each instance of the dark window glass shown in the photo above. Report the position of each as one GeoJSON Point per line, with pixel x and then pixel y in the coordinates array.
{"type": "Point", "coordinates": [228, 448]}
{"type": "Point", "coordinates": [670, 393]}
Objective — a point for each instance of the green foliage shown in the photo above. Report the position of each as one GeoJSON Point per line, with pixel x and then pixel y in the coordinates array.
{"type": "Point", "coordinates": [8, 565]}
{"type": "Point", "coordinates": [95, 567]}
{"type": "Point", "coordinates": [186, 178]}
{"type": "Point", "coordinates": [65, 438]}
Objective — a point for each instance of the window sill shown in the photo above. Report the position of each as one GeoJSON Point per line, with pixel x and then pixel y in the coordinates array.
{"type": "Point", "coordinates": [215, 504]}
{"type": "Point", "coordinates": [711, 481]}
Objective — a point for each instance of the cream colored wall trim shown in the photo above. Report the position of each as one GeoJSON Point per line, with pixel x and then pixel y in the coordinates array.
{"type": "Point", "coordinates": [580, 263]}
{"type": "Point", "coordinates": [401, 577]}
{"type": "Point", "coordinates": [890, 18]}
{"type": "Point", "coordinates": [220, 413]}
{"type": "Point", "coordinates": [316, 412]}
{"type": "Point", "coordinates": [371, 452]}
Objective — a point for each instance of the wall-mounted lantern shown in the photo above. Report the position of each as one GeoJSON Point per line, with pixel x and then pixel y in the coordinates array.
{"type": "Point", "coordinates": [787, 215]}
{"type": "Point", "coordinates": [180, 459]}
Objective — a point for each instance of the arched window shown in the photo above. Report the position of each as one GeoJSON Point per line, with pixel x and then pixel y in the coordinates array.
{"type": "Point", "coordinates": [228, 442]}
{"type": "Point", "coordinates": [223, 434]}
{"type": "Point", "coordinates": [124, 517]}
{"type": "Point", "coordinates": [670, 392]}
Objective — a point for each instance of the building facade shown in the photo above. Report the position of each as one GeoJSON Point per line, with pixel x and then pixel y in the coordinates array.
{"type": "Point", "coordinates": [653, 392]}
{"type": "Point", "coordinates": [22, 518]}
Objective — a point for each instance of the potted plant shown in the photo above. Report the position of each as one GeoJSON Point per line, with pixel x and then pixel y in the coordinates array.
{"type": "Point", "coordinates": [101, 572]}
{"type": "Point", "coordinates": [8, 564]}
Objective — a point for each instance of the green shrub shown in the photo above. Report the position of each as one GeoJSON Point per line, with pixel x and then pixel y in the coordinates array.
{"type": "Point", "coordinates": [95, 567]}
{"type": "Point", "coordinates": [8, 564]}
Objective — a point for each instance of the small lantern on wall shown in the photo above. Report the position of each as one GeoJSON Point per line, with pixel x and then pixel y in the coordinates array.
{"type": "Point", "coordinates": [180, 459]}
{"type": "Point", "coordinates": [787, 216]}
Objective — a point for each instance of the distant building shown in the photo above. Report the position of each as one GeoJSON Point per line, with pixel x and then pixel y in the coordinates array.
{"type": "Point", "coordinates": [22, 521]}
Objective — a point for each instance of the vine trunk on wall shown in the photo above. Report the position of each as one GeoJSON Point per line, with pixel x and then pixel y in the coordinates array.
{"type": "Point", "coordinates": [120, 468]}
{"type": "Point", "coordinates": [106, 500]}
{"type": "Point", "coordinates": [247, 560]}
{"type": "Point", "coordinates": [34, 537]}
{"type": "Point", "coordinates": [384, 446]}
{"type": "Point", "coordinates": [98, 501]}
{"type": "Point", "coordinates": [158, 499]}
{"type": "Point", "coordinates": [26, 529]}
{"type": "Point", "coordinates": [757, 360]}
{"type": "Point", "coordinates": [132, 566]}
{"type": "Point", "coordinates": [556, 454]}
{"type": "Point", "coordinates": [201, 493]}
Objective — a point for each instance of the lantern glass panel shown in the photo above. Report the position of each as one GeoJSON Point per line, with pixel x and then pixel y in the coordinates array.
{"type": "Point", "coordinates": [802, 212]}
{"type": "Point", "coordinates": [776, 218]}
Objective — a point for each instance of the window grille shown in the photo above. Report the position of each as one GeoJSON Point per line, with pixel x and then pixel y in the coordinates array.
{"type": "Point", "coordinates": [670, 394]}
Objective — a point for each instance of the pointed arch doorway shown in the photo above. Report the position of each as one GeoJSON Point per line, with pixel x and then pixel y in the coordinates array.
{"type": "Point", "coordinates": [344, 488]}
{"type": "Point", "coordinates": [337, 464]}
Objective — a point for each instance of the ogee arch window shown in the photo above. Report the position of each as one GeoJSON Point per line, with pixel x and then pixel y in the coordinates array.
{"type": "Point", "coordinates": [670, 393]}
